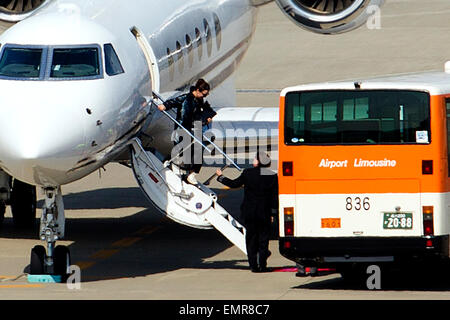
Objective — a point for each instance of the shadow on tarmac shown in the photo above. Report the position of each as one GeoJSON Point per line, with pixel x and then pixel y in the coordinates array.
{"type": "Point", "coordinates": [109, 198]}
{"type": "Point", "coordinates": [412, 277]}
{"type": "Point", "coordinates": [158, 245]}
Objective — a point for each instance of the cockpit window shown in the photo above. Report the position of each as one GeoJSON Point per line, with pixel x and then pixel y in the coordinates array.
{"type": "Point", "coordinates": [75, 63]}
{"type": "Point", "coordinates": [20, 62]}
{"type": "Point", "coordinates": [112, 62]}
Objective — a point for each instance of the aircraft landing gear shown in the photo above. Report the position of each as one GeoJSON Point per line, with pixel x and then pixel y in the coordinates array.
{"type": "Point", "coordinates": [56, 260]}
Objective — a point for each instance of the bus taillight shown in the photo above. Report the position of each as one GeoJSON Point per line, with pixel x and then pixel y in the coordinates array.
{"type": "Point", "coordinates": [289, 221]}
{"type": "Point", "coordinates": [288, 169]}
{"type": "Point", "coordinates": [428, 227]}
{"type": "Point", "coordinates": [427, 166]}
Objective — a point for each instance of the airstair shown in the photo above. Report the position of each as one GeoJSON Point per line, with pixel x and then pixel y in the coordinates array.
{"type": "Point", "coordinates": [194, 206]}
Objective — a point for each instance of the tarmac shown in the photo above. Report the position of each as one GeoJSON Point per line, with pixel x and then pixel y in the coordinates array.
{"type": "Point", "coordinates": [126, 250]}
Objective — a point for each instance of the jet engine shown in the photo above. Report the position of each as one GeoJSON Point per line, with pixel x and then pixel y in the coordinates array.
{"type": "Point", "coordinates": [17, 10]}
{"type": "Point", "coordinates": [329, 16]}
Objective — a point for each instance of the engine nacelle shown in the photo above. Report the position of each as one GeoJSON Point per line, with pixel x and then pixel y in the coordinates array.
{"type": "Point", "coordinates": [17, 10]}
{"type": "Point", "coordinates": [329, 16]}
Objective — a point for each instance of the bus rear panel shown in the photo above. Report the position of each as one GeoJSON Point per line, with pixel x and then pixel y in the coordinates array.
{"type": "Point", "coordinates": [363, 175]}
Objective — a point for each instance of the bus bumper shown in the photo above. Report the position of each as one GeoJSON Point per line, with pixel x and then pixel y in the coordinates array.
{"type": "Point", "coordinates": [362, 249]}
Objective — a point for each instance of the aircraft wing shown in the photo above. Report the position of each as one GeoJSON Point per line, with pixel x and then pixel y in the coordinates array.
{"type": "Point", "coordinates": [246, 126]}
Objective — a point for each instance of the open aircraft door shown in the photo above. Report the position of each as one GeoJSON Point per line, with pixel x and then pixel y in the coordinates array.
{"type": "Point", "coordinates": [149, 57]}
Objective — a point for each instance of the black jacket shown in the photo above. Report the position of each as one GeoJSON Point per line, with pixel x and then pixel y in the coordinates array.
{"type": "Point", "coordinates": [190, 109]}
{"type": "Point", "coordinates": [260, 193]}
{"type": "Point", "coordinates": [176, 103]}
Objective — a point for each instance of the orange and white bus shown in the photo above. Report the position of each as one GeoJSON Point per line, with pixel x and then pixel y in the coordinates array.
{"type": "Point", "coordinates": [364, 170]}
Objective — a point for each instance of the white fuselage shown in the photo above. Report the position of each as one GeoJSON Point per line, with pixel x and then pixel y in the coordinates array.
{"type": "Point", "coordinates": [55, 131]}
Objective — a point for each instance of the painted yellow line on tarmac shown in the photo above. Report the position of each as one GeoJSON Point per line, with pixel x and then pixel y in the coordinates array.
{"type": "Point", "coordinates": [10, 286]}
{"type": "Point", "coordinates": [126, 242]}
{"type": "Point", "coordinates": [146, 230]}
{"type": "Point", "coordinates": [104, 254]}
{"type": "Point", "coordinates": [115, 247]}
{"type": "Point", "coordinates": [83, 265]}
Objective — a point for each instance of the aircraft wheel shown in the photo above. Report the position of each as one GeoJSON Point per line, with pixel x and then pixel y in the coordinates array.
{"type": "Point", "coordinates": [23, 204]}
{"type": "Point", "coordinates": [61, 261]}
{"type": "Point", "coordinates": [37, 260]}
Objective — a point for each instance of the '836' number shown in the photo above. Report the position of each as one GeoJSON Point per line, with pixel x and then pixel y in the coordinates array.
{"type": "Point", "coordinates": [357, 203]}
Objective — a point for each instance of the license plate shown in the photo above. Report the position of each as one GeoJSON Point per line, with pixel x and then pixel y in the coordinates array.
{"type": "Point", "coordinates": [331, 222]}
{"type": "Point", "coordinates": [398, 220]}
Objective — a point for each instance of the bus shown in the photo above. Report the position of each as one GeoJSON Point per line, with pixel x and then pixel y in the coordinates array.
{"type": "Point", "coordinates": [364, 171]}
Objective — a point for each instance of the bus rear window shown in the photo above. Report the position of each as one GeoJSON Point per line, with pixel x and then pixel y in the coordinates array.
{"type": "Point", "coordinates": [75, 63]}
{"type": "Point", "coordinates": [357, 117]}
{"type": "Point", "coordinates": [20, 63]}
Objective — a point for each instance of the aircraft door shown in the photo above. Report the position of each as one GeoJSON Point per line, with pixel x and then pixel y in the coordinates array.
{"type": "Point", "coordinates": [149, 57]}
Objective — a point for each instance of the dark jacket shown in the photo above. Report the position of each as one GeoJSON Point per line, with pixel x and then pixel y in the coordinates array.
{"type": "Point", "coordinates": [195, 110]}
{"type": "Point", "coordinates": [190, 109]}
{"type": "Point", "coordinates": [260, 194]}
{"type": "Point", "coordinates": [176, 103]}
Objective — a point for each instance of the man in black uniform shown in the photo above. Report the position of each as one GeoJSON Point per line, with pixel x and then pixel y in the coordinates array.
{"type": "Point", "coordinates": [260, 196]}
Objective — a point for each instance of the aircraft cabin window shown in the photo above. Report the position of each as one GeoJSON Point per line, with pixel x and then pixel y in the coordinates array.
{"type": "Point", "coordinates": [189, 51]}
{"type": "Point", "coordinates": [112, 62]}
{"type": "Point", "coordinates": [180, 57]}
{"type": "Point", "coordinates": [170, 63]}
{"type": "Point", "coordinates": [208, 37]}
{"type": "Point", "coordinates": [20, 62]}
{"type": "Point", "coordinates": [199, 43]}
{"type": "Point", "coordinates": [75, 63]}
{"type": "Point", "coordinates": [218, 30]}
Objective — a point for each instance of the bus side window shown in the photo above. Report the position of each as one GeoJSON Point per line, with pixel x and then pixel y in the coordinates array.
{"type": "Point", "coordinates": [447, 105]}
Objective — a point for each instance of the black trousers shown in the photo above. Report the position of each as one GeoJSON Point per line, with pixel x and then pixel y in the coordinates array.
{"type": "Point", "coordinates": [257, 241]}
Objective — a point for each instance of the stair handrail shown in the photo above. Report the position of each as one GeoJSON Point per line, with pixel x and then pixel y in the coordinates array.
{"type": "Point", "coordinates": [176, 122]}
{"type": "Point", "coordinates": [222, 152]}
{"type": "Point", "coordinates": [204, 136]}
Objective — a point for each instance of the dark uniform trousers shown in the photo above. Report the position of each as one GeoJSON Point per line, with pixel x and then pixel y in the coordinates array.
{"type": "Point", "coordinates": [257, 242]}
{"type": "Point", "coordinates": [260, 196]}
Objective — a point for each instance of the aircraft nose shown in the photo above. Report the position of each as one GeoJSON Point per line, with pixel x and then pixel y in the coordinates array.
{"type": "Point", "coordinates": [34, 142]}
